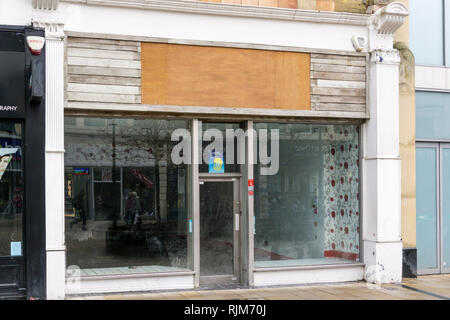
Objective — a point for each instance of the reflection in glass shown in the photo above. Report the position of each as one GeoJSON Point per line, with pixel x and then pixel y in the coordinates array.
{"type": "Point", "coordinates": [432, 112]}
{"type": "Point", "coordinates": [216, 228]}
{"type": "Point", "coordinates": [446, 207]}
{"type": "Point", "coordinates": [427, 211]}
{"type": "Point", "coordinates": [308, 213]}
{"type": "Point", "coordinates": [11, 189]}
{"type": "Point", "coordinates": [426, 18]}
{"type": "Point", "coordinates": [125, 199]}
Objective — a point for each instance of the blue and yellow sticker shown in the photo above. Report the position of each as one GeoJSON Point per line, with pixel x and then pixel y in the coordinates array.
{"type": "Point", "coordinates": [216, 163]}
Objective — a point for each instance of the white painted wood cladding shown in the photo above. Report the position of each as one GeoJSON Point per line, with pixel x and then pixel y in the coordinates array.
{"type": "Point", "coordinates": [338, 83]}
{"type": "Point", "coordinates": [109, 71]}
{"type": "Point", "coordinates": [101, 70]}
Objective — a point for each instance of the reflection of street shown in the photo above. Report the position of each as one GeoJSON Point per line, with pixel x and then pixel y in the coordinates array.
{"type": "Point", "coordinates": [126, 246]}
{"type": "Point", "coordinates": [216, 256]}
{"type": "Point", "coordinates": [216, 228]}
{"type": "Point", "coordinates": [135, 197]}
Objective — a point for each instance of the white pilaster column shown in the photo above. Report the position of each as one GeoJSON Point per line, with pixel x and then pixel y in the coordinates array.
{"type": "Point", "coordinates": [54, 157]}
{"type": "Point", "coordinates": [382, 244]}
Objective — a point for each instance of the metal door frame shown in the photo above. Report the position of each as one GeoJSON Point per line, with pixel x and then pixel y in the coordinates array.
{"type": "Point", "coordinates": [237, 220]}
{"type": "Point", "coordinates": [442, 268]}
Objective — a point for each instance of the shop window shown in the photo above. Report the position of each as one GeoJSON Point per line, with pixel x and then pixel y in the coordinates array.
{"type": "Point", "coordinates": [126, 201]}
{"type": "Point", "coordinates": [307, 213]}
{"type": "Point", "coordinates": [11, 189]}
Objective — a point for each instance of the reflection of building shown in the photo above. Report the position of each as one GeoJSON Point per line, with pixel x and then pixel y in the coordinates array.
{"type": "Point", "coordinates": [122, 211]}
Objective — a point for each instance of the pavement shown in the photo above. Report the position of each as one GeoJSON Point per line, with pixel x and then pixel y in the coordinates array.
{"type": "Point", "coordinates": [432, 287]}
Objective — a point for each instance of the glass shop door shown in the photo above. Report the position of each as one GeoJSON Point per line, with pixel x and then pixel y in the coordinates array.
{"type": "Point", "coordinates": [220, 217]}
{"type": "Point", "coordinates": [12, 211]}
{"type": "Point", "coordinates": [433, 207]}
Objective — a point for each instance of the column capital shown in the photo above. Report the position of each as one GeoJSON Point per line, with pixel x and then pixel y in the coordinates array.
{"type": "Point", "coordinates": [54, 30]}
{"type": "Point", "coordinates": [390, 18]}
{"type": "Point", "coordinates": [380, 56]}
{"type": "Point", "coordinates": [384, 23]}
{"type": "Point", "coordinates": [46, 16]}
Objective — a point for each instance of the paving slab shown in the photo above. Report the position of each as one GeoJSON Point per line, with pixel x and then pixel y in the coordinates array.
{"type": "Point", "coordinates": [435, 287]}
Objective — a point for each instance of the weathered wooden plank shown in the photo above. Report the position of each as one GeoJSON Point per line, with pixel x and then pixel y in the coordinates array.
{"type": "Point", "coordinates": [336, 57]}
{"type": "Point", "coordinates": [339, 107]}
{"type": "Point", "coordinates": [336, 68]}
{"type": "Point", "coordinates": [338, 76]}
{"type": "Point", "coordinates": [343, 62]}
{"type": "Point", "coordinates": [340, 84]}
{"type": "Point", "coordinates": [98, 88]}
{"type": "Point", "coordinates": [120, 81]}
{"type": "Point", "coordinates": [103, 54]}
{"type": "Point", "coordinates": [338, 99]}
{"type": "Point", "coordinates": [106, 63]}
{"type": "Point", "coordinates": [102, 97]}
{"type": "Point", "coordinates": [103, 41]}
{"type": "Point", "coordinates": [116, 72]}
{"type": "Point", "coordinates": [338, 91]}
{"type": "Point", "coordinates": [101, 46]}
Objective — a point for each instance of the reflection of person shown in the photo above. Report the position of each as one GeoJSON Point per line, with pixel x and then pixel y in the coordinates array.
{"type": "Point", "coordinates": [78, 203]}
{"type": "Point", "coordinates": [6, 155]}
{"type": "Point", "coordinates": [132, 208]}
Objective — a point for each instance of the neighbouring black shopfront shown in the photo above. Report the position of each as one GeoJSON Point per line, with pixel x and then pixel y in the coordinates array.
{"type": "Point", "coordinates": [22, 164]}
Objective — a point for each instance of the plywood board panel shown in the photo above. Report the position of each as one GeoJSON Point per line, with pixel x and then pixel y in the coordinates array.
{"type": "Point", "coordinates": [224, 77]}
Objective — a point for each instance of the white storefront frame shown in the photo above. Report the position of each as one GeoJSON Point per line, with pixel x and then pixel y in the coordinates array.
{"type": "Point", "coordinates": [246, 27]}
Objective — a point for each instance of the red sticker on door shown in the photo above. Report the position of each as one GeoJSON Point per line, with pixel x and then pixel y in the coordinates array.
{"type": "Point", "coordinates": [251, 182]}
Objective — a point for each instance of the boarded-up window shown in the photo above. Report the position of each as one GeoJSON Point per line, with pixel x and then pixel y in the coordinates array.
{"type": "Point", "coordinates": [224, 77]}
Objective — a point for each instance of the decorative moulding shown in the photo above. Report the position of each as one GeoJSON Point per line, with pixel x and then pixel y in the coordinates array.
{"type": "Point", "coordinates": [390, 18]}
{"type": "Point", "coordinates": [235, 10]}
{"type": "Point", "coordinates": [45, 4]}
{"type": "Point", "coordinates": [359, 43]}
{"type": "Point", "coordinates": [53, 29]}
